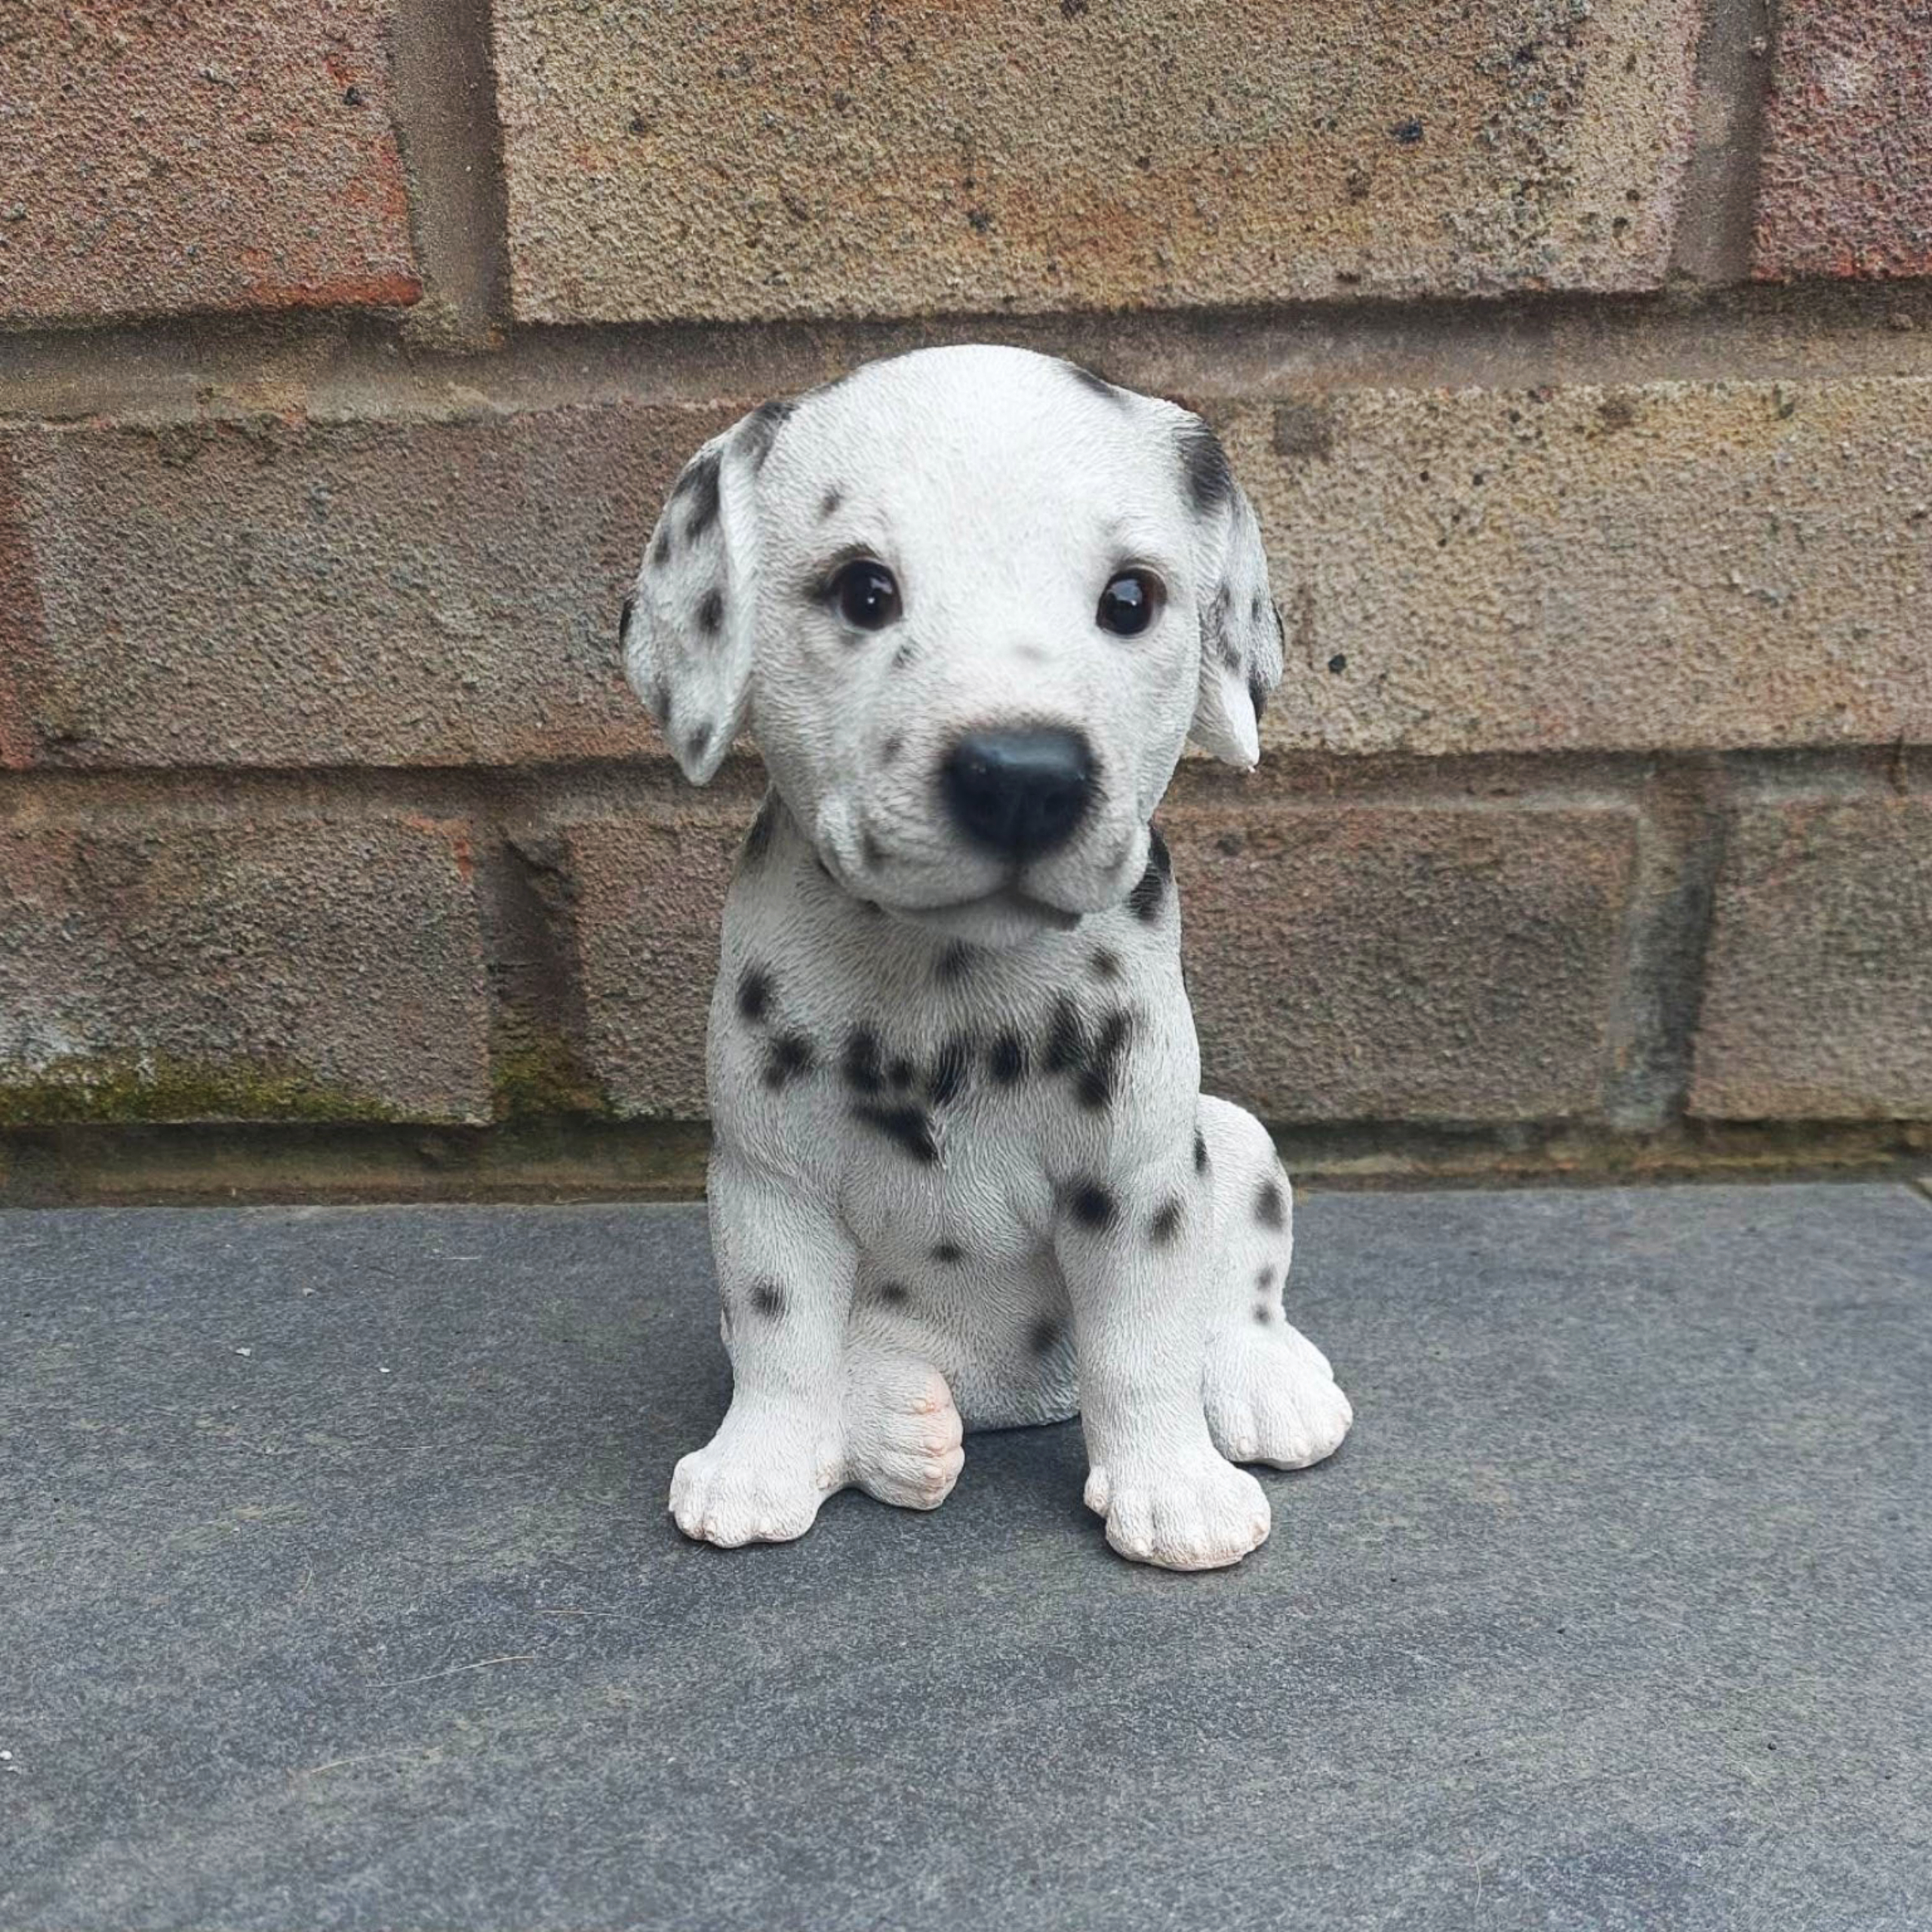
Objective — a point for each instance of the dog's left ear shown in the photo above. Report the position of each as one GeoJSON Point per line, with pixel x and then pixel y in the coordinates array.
{"type": "Point", "coordinates": [1240, 629]}
{"type": "Point", "coordinates": [688, 628]}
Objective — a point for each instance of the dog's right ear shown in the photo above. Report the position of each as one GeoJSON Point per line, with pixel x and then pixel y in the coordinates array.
{"type": "Point", "coordinates": [687, 630]}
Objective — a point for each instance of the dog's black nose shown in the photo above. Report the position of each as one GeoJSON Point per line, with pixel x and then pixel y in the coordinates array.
{"type": "Point", "coordinates": [1019, 792]}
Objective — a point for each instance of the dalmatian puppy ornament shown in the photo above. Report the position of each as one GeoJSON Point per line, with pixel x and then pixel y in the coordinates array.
{"type": "Point", "coordinates": [972, 601]}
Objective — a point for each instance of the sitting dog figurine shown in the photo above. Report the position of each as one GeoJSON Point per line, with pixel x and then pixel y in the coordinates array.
{"type": "Point", "coordinates": [970, 601]}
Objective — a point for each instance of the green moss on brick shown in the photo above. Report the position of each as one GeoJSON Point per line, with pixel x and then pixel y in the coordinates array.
{"type": "Point", "coordinates": [103, 1087]}
{"type": "Point", "coordinates": [536, 1073]}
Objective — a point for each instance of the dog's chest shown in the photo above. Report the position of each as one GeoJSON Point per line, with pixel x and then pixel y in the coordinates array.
{"type": "Point", "coordinates": [943, 1095]}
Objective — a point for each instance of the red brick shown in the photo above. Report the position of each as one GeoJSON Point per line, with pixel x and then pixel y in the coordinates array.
{"type": "Point", "coordinates": [648, 891]}
{"type": "Point", "coordinates": [183, 155]}
{"type": "Point", "coordinates": [898, 158]}
{"type": "Point", "coordinates": [1818, 995]}
{"type": "Point", "coordinates": [301, 593]}
{"type": "Point", "coordinates": [1845, 184]}
{"type": "Point", "coordinates": [310, 968]}
{"type": "Point", "coordinates": [1419, 962]}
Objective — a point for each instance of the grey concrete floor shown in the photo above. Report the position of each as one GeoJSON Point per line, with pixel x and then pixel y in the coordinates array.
{"type": "Point", "coordinates": [335, 1590]}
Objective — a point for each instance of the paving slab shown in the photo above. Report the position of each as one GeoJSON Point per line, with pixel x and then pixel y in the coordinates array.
{"type": "Point", "coordinates": [335, 1590]}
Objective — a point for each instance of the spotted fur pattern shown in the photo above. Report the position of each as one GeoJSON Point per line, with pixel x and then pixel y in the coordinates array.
{"type": "Point", "coordinates": [963, 1176]}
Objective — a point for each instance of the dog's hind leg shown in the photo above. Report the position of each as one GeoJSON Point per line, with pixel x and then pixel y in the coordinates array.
{"type": "Point", "coordinates": [1269, 1393]}
{"type": "Point", "coordinates": [902, 1433]}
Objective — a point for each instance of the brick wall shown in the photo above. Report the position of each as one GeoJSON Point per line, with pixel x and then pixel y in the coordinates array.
{"type": "Point", "coordinates": [1578, 357]}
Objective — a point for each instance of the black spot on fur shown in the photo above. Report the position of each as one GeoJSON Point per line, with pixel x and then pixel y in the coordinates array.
{"type": "Point", "coordinates": [697, 743]}
{"type": "Point", "coordinates": [955, 963]}
{"type": "Point", "coordinates": [1099, 1071]}
{"type": "Point", "coordinates": [1200, 1152]}
{"type": "Point", "coordinates": [895, 1293]}
{"type": "Point", "coordinates": [660, 550]}
{"type": "Point", "coordinates": [1106, 965]}
{"type": "Point", "coordinates": [1007, 1059]}
{"type": "Point", "coordinates": [950, 1072]}
{"type": "Point", "coordinates": [903, 1072]}
{"type": "Point", "coordinates": [754, 993]}
{"type": "Point", "coordinates": [833, 498]}
{"type": "Point", "coordinates": [1265, 1280]}
{"type": "Point", "coordinates": [1264, 1315]}
{"type": "Point", "coordinates": [700, 482]}
{"type": "Point", "coordinates": [789, 1057]}
{"type": "Point", "coordinates": [758, 840]}
{"type": "Point", "coordinates": [949, 1252]}
{"type": "Point", "coordinates": [1257, 695]}
{"type": "Point", "coordinates": [860, 1066]}
{"type": "Point", "coordinates": [1094, 1206]}
{"type": "Point", "coordinates": [1215, 624]}
{"type": "Point", "coordinates": [909, 1128]}
{"type": "Point", "coordinates": [760, 429]}
{"type": "Point", "coordinates": [1204, 469]}
{"type": "Point", "coordinates": [1257, 607]}
{"type": "Point", "coordinates": [624, 617]}
{"type": "Point", "coordinates": [660, 704]}
{"type": "Point", "coordinates": [888, 752]}
{"type": "Point", "coordinates": [905, 657]}
{"type": "Point", "coordinates": [1099, 385]}
{"type": "Point", "coordinates": [711, 611]}
{"type": "Point", "coordinates": [1269, 1209]}
{"type": "Point", "coordinates": [768, 1298]}
{"type": "Point", "coordinates": [870, 850]}
{"type": "Point", "coordinates": [1146, 897]}
{"type": "Point", "coordinates": [1067, 1038]}
{"type": "Point", "coordinates": [1045, 1337]}
{"type": "Point", "coordinates": [1166, 1223]}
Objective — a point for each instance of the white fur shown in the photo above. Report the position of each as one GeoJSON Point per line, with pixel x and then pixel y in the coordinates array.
{"type": "Point", "coordinates": [964, 1175]}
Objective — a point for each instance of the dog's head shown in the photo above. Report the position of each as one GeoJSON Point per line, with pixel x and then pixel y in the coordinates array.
{"type": "Point", "coordinates": [971, 602]}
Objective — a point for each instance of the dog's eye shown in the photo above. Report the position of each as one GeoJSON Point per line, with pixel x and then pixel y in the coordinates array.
{"type": "Point", "coordinates": [1130, 603]}
{"type": "Point", "coordinates": [866, 594]}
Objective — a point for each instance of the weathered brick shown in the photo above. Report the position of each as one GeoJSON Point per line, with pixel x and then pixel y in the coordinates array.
{"type": "Point", "coordinates": [1845, 182]}
{"type": "Point", "coordinates": [311, 968]}
{"type": "Point", "coordinates": [179, 156]}
{"type": "Point", "coordinates": [306, 593]}
{"type": "Point", "coordinates": [1439, 962]}
{"type": "Point", "coordinates": [648, 893]}
{"type": "Point", "coordinates": [1346, 961]}
{"type": "Point", "coordinates": [1818, 993]}
{"type": "Point", "coordinates": [1673, 565]}
{"type": "Point", "coordinates": [1053, 154]}
{"type": "Point", "coordinates": [20, 620]}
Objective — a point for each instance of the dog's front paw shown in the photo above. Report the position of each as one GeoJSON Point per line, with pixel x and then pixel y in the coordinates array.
{"type": "Point", "coordinates": [1271, 1397]}
{"type": "Point", "coordinates": [751, 1485]}
{"type": "Point", "coordinates": [1196, 1512]}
